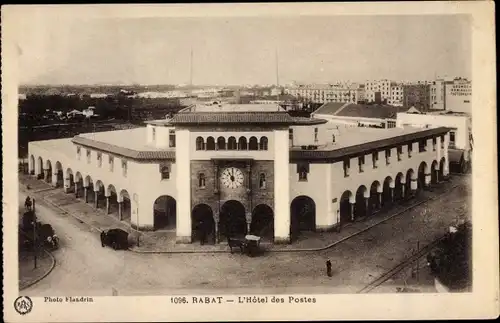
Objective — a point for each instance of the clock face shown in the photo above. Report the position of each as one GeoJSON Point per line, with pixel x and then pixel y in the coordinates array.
{"type": "Point", "coordinates": [232, 177]}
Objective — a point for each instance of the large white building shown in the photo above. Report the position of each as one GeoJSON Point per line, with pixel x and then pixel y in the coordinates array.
{"type": "Point", "coordinates": [378, 90]}
{"type": "Point", "coordinates": [228, 170]}
{"type": "Point", "coordinates": [452, 95]}
{"type": "Point", "coordinates": [323, 93]}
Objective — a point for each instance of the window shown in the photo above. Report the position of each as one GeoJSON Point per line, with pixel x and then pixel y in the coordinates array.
{"type": "Point", "coordinates": [200, 144]}
{"type": "Point", "coordinates": [201, 180]}
{"type": "Point", "coordinates": [290, 134]}
{"type": "Point", "coordinates": [452, 138]}
{"type": "Point", "coordinates": [434, 144]}
{"type": "Point", "coordinates": [410, 149]}
{"type": "Point", "coordinates": [252, 144]}
{"type": "Point", "coordinates": [263, 143]}
{"type": "Point", "coordinates": [361, 163]}
{"type": "Point", "coordinates": [262, 181]}
{"type": "Point", "coordinates": [124, 168]}
{"type": "Point", "coordinates": [421, 145]}
{"type": "Point", "coordinates": [210, 143]}
{"type": "Point", "coordinates": [165, 172]}
{"type": "Point", "coordinates": [242, 143]}
{"type": "Point", "coordinates": [315, 134]}
{"type": "Point", "coordinates": [99, 160]}
{"type": "Point", "coordinates": [387, 156]}
{"type": "Point", "coordinates": [78, 152]}
{"type": "Point", "coordinates": [171, 138]}
{"type": "Point", "coordinates": [153, 133]}
{"type": "Point", "coordinates": [231, 143]}
{"type": "Point", "coordinates": [375, 159]}
{"type": "Point", "coordinates": [347, 166]}
{"type": "Point", "coordinates": [221, 143]}
{"type": "Point", "coordinates": [88, 156]}
{"type": "Point", "coordinates": [303, 170]}
{"type": "Point", "coordinates": [400, 152]}
{"type": "Point", "coordinates": [111, 161]}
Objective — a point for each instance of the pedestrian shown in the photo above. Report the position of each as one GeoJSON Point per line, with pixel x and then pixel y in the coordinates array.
{"type": "Point", "coordinates": [27, 203]}
{"type": "Point", "coordinates": [329, 268]}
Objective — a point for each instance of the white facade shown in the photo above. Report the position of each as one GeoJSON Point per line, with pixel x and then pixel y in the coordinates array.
{"type": "Point", "coordinates": [378, 86]}
{"type": "Point", "coordinates": [108, 163]}
{"type": "Point", "coordinates": [323, 93]}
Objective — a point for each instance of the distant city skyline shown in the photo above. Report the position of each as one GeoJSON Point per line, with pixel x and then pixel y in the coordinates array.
{"type": "Point", "coordinates": [242, 50]}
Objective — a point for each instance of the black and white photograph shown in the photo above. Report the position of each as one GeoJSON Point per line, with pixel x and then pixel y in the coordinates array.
{"type": "Point", "coordinates": [229, 160]}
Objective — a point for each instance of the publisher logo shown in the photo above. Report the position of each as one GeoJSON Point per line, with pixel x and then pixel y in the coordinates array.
{"type": "Point", "coordinates": [23, 305]}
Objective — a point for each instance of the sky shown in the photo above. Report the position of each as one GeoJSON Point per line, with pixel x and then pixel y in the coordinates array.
{"type": "Point", "coordinates": [243, 50]}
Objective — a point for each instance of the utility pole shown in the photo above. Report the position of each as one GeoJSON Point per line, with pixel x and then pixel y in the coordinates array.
{"type": "Point", "coordinates": [35, 240]}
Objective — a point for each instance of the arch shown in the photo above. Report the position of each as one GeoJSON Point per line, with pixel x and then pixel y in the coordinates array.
{"type": "Point", "coordinates": [362, 195]}
{"type": "Point", "coordinates": [375, 202]}
{"type": "Point", "coordinates": [387, 191]}
{"type": "Point", "coordinates": [399, 187]}
{"type": "Point", "coordinates": [58, 170]}
{"type": "Point", "coordinates": [31, 165]}
{"type": "Point", "coordinates": [210, 143]}
{"type": "Point", "coordinates": [99, 186]}
{"type": "Point", "coordinates": [252, 143]}
{"type": "Point", "coordinates": [112, 195]}
{"type": "Point", "coordinates": [126, 208]}
{"type": "Point", "coordinates": [221, 143]}
{"type": "Point", "coordinates": [434, 172]}
{"type": "Point", "coordinates": [345, 208]}
{"type": "Point", "coordinates": [111, 189]}
{"type": "Point", "coordinates": [242, 143]}
{"type": "Point", "coordinates": [200, 143]}
{"type": "Point", "coordinates": [48, 164]}
{"type": "Point", "coordinates": [203, 224]}
{"type": "Point", "coordinates": [302, 215]}
{"type": "Point", "coordinates": [49, 170]}
{"type": "Point", "coordinates": [70, 177]}
{"type": "Point", "coordinates": [423, 169]}
{"type": "Point", "coordinates": [87, 182]}
{"type": "Point", "coordinates": [231, 143]}
{"type": "Point", "coordinates": [233, 219]}
{"type": "Point", "coordinates": [410, 176]}
{"type": "Point", "coordinates": [263, 222]}
{"type": "Point", "coordinates": [263, 144]}
{"type": "Point", "coordinates": [78, 177]}
{"type": "Point", "coordinates": [165, 212]}
{"type": "Point", "coordinates": [39, 166]}
{"type": "Point", "coordinates": [441, 169]}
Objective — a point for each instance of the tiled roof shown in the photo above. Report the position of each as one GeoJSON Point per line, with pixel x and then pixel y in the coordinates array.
{"type": "Point", "coordinates": [375, 111]}
{"type": "Point", "coordinates": [307, 121]}
{"type": "Point", "coordinates": [356, 149]}
{"type": "Point", "coordinates": [125, 152]}
{"type": "Point", "coordinates": [232, 118]}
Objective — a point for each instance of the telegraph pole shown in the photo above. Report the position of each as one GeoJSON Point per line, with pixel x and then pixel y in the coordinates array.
{"type": "Point", "coordinates": [35, 240]}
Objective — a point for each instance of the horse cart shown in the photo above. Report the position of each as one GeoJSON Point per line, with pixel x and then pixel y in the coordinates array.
{"type": "Point", "coordinates": [37, 232]}
{"type": "Point", "coordinates": [250, 245]}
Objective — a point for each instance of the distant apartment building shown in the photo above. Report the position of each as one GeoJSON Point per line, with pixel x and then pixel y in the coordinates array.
{"type": "Point", "coordinates": [452, 95]}
{"type": "Point", "coordinates": [418, 96]}
{"type": "Point", "coordinates": [325, 93]}
{"type": "Point", "coordinates": [396, 97]}
{"type": "Point", "coordinates": [378, 91]}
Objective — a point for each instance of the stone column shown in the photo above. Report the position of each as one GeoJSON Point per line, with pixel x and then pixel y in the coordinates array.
{"type": "Point", "coordinates": [352, 210]}
{"type": "Point", "coordinates": [107, 205]}
{"type": "Point", "coordinates": [437, 176]}
{"type": "Point", "coordinates": [96, 199]}
{"type": "Point", "coordinates": [76, 189]}
{"type": "Point", "coordinates": [86, 194]}
{"type": "Point", "coordinates": [183, 162]}
{"type": "Point", "coordinates": [54, 179]}
{"type": "Point", "coordinates": [120, 207]}
{"type": "Point", "coordinates": [367, 206]}
{"type": "Point", "coordinates": [67, 185]}
{"type": "Point", "coordinates": [379, 200]}
{"type": "Point", "coordinates": [427, 180]}
{"type": "Point", "coordinates": [392, 194]}
{"type": "Point", "coordinates": [446, 169]}
{"type": "Point", "coordinates": [217, 238]}
{"type": "Point", "coordinates": [281, 191]}
{"type": "Point", "coordinates": [402, 191]}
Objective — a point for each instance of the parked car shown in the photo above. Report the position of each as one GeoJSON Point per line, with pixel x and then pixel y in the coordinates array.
{"type": "Point", "coordinates": [115, 238]}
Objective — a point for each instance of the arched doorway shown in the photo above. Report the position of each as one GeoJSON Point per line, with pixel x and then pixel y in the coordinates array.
{"type": "Point", "coordinates": [32, 165]}
{"type": "Point", "coordinates": [360, 209]}
{"type": "Point", "coordinates": [374, 199]}
{"type": "Point", "coordinates": [434, 173]}
{"type": "Point", "coordinates": [303, 215]}
{"type": "Point", "coordinates": [39, 168]}
{"type": "Point", "coordinates": [79, 191]}
{"type": "Point", "coordinates": [70, 178]}
{"type": "Point", "coordinates": [399, 187]}
{"type": "Point", "coordinates": [422, 171]}
{"type": "Point", "coordinates": [113, 200]}
{"type": "Point", "coordinates": [387, 192]}
{"type": "Point", "coordinates": [126, 208]}
{"type": "Point", "coordinates": [346, 207]}
{"type": "Point", "coordinates": [203, 224]}
{"type": "Point", "coordinates": [165, 212]}
{"type": "Point", "coordinates": [99, 196]}
{"type": "Point", "coordinates": [233, 221]}
{"type": "Point", "coordinates": [60, 175]}
{"type": "Point", "coordinates": [48, 168]}
{"type": "Point", "coordinates": [408, 186]}
{"type": "Point", "coordinates": [441, 169]}
{"type": "Point", "coordinates": [263, 222]}
{"type": "Point", "coordinates": [89, 184]}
